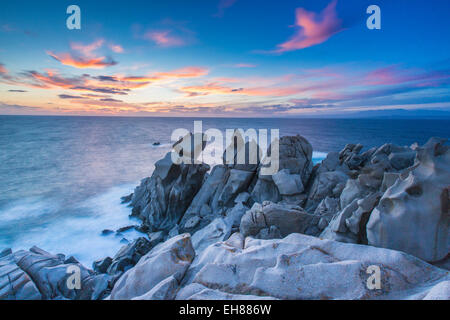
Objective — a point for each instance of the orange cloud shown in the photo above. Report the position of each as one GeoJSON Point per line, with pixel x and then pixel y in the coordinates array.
{"type": "Point", "coordinates": [3, 69]}
{"type": "Point", "coordinates": [313, 28]}
{"type": "Point", "coordinates": [85, 57]}
{"type": "Point", "coordinates": [82, 63]}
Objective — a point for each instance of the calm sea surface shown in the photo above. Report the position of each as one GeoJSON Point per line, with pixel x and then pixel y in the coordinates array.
{"type": "Point", "coordinates": [61, 178]}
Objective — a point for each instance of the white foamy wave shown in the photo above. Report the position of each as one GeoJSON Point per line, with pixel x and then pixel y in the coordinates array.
{"type": "Point", "coordinates": [81, 235]}
{"type": "Point", "coordinates": [26, 209]}
{"type": "Point", "coordinates": [318, 156]}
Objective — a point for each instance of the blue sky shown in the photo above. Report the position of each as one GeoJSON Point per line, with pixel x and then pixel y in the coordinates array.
{"type": "Point", "coordinates": [223, 57]}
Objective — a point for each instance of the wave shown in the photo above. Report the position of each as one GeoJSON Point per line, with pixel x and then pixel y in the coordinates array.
{"type": "Point", "coordinates": [80, 232]}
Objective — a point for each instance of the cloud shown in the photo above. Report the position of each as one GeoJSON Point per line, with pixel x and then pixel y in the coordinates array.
{"type": "Point", "coordinates": [164, 38]}
{"type": "Point", "coordinates": [67, 96]}
{"type": "Point", "coordinates": [110, 100]}
{"type": "Point", "coordinates": [18, 91]}
{"type": "Point", "coordinates": [81, 62]}
{"type": "Point", "coordinates": [222, 6]}
{"type": "Point", "coordinates": [84, 56]}
{"type": "Point", "coordinates": [3, 69]}
{"type": "Point", "coordinates": [116, 48]}
{"type": "Point", "coordinates": [244, 65]}
{"type": "Point", "coordinates": [313, 28]}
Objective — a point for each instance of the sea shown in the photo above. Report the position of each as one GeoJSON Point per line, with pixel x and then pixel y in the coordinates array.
{"type": "Point", "coordinates": [62, 177]}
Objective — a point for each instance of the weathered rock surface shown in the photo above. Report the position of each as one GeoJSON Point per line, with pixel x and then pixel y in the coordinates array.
{"type": "Point", "coordinates": [413, 214]}
{"type": "Point", "coordinates": [304, 267]}
{"type": "Point", "coordinates": [171, 258]}
{"type": "Point", "coordinates": [15, 284]}
{"type": "Point", "coordinates": [37, 274]}
{"type": "Point", "coordinates": [286, 218]}
{"type": "Point", "coordinates": [161, 200]}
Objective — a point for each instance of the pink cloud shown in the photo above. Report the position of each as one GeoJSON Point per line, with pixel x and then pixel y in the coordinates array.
{"type": "Point", "coordinates": [164, 38]}
{"type": "Point", "coordinates": [313, 28]}
{"type": "Point", "coordinates": [245, 65]}
{"type": "Point", "coordinates": [116, 48]}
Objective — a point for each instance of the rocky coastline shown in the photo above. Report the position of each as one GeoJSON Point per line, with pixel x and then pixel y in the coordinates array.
{"type": "Point", "coordinates": [307, 232]}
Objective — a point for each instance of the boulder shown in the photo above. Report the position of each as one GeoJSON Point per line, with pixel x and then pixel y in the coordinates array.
{"type": "Point", "coordinates": [171, 258]}
{"type": "Point", "coordinates": [50, 274]}
{"type": "Point", "coordinates": [287, 218]}
{"type": "Point", "coordinates": [15, 284]}
{"type": "Point", "coordinates": [413, 214]}
{"type": "Point", "coordinates": [304, 267]}
{"type": "Point", "coordinates": [128, 256]}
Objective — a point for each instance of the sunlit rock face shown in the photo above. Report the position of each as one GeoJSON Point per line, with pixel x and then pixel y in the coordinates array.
{"type": "Point", "coordinates": [413, 214]}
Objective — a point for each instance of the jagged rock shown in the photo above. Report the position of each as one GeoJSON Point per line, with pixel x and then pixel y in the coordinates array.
{"type": "Point", "coordinates": [129, 255]}
{"type": "Point", "coordinates": [15, 284]}
{"type": "Point", "coordinates": [50, 274]}
{"type": "Point", "coordinates": [353, 190]}
{"type": "Point", "coordinates": [287, 218]}
{"type": "Point", "coordinates": [323, 214]}
{"type": "Point", "coordinates": [160, 201]}
{"type": "Point", "coordinates": [349, 225]}
{"type": "Point", "coordinates": [304, 267]}
{"type": "Point", "coordinates": [102, 265]}
{"type": "Point", "coordinates": [413, 214]}
{"type": "Point", "coordinates": [269, 233]}
{"type": "Point", "coordinates": [171, 258]}
{"type": "Point", "coordinates": [216, 196]}
{"type": "Point", "coordinates": [156, 237]}
{"type": "Point", "coordinates": [402, 160]}
{"type": "Point", "coordinates": [288, 184]}
{"type": "Point", "coordinates": [126, 199]}
{"type": "Point", "coordinates": [234, 216]}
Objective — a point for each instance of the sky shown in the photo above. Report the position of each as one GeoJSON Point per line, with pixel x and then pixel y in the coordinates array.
{"type": "Point", "coordinates": [223, 58]}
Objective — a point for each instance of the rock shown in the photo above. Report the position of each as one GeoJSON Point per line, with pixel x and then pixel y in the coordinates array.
{"type": "Point", "coordinates": [441, 291]}
{"type": "Point", "coordinates": [171, 258]}
{"type": "Point", "coordinates": [196, 291]}
{"type": "Point", "coordinates": [129, 255]}
{"type": "Point", "coordinates": [156, 237]}
{"type": "Point", "coordinates": [165, 290]}
{"type": "Point", "coordinates": [353, 190]}
{"type": "Point", "coordinates": [161, 201]}
{"type": "Point", "coordinates": [107, 232]}
{"type": "Point", "coordinates": [388, 180]}
{"type": "Point", "coordinates": [214, 232]}
{"type": "Point", "coordinates": [402, 160]}
{"type": "Point", "coordinates": [337, 229]}
{"type": "Point", "coordinates": [295, 155]}
{"type": "Point", "coordinates": [15, 284]}
{"type": "Point", "coordinates": [329, 180]}
{"type": "Point", "coordinates": [234, 216]}
{"type": "Point", "coordinates": [174, 231]}
{"type": "Point", "coordinates": [304, 267]}
{"type": "Point", "coordinates": [126, 199]}
{"type": "Point", "coordinates": [51, 275]}
{"type": "Point", "coordinates": [216, 196]}
{"type": "Point", "coordinates": [102, 265]}
{"type": "Point", "coordinates": [413, 214]}
{"type": "Point", "coordinates": [123, 229]}
{"type": "Point", "coordinates": [287, 218]}
{"type": "Point", "coordinates": [288, 184]}
{"type": "Point", "coordinates": [323, 214]}
{"type": "Point", "coordinates": [157, 143]}
{"type": "Point", "coordinates": [269, 233]}
{"type": "Point", "coordinates": [242, 198]}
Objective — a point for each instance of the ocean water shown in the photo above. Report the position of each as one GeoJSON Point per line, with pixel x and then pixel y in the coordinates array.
{"type": "Point", "coordinates": [61, 178]}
